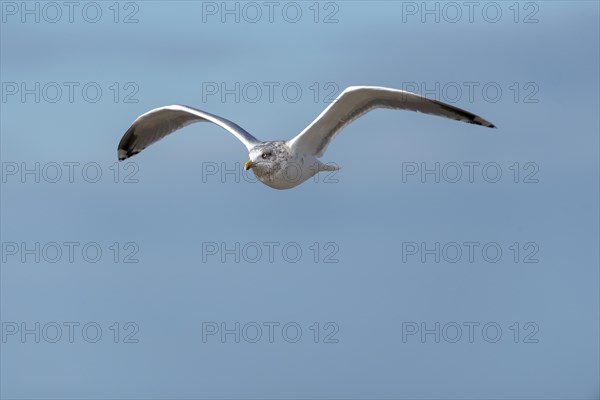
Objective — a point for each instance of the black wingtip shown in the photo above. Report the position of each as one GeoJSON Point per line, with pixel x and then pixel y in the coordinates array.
{"type": "Point", "coordinates": [122, 154]}
{"type": "Point", "coordinates": [127, 145]}
{"type": "Point", "coordinates": [125, 154]}
{"type": "Point", "coordinates": [480, 121]}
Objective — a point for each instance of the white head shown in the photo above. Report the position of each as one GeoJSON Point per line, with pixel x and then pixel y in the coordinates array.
{"type": "Point", "coordinates": [267, 158]}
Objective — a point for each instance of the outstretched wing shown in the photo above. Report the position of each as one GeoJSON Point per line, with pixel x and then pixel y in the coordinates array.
{"type": "Point", "coordinates": [158, 123]}
{"type": "Point", "coordinates": [356, 101]}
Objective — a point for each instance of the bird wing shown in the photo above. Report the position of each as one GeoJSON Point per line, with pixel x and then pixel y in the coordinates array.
{"type": "Point", "coordinates": [158, 123]}
{"type": "Point", "coordinates": [356, 101]}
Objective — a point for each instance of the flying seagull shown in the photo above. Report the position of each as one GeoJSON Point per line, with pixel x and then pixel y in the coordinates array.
{"type": "Point", "coordinates": [284, 164]}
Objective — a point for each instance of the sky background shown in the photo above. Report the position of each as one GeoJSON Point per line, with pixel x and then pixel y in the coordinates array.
{"type": "Point", "coordinates": [354, 253]}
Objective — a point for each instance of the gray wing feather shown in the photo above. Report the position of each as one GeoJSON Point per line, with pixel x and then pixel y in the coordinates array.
{"type": "Point", "coordinates": [356, 101]}
{"type": "Point", "coordinates": [154, 125]}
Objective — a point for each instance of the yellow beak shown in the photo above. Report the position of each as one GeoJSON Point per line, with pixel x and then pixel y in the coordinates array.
{"type": "Point", "coordinates": [249, 164]}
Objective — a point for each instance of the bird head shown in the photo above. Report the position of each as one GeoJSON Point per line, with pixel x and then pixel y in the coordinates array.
{"type": "Point", "coordinates": [266, 157]}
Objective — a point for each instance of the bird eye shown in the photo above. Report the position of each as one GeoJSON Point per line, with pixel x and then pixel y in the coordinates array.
{"type": "Point", "coordinates": [265, 155]}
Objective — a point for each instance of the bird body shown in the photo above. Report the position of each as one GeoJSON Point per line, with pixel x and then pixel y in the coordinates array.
{"type": "Point", "coordinates": [286, 164]}
{"type": "Point", "coordinates": [286, 168]}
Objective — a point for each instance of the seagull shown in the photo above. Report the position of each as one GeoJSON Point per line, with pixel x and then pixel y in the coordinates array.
{"type": "Point", "coordinates": [284, 164]}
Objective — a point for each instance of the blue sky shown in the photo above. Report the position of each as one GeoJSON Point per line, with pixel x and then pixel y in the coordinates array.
{"type": "Point", "coordinates": [339, 275]}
